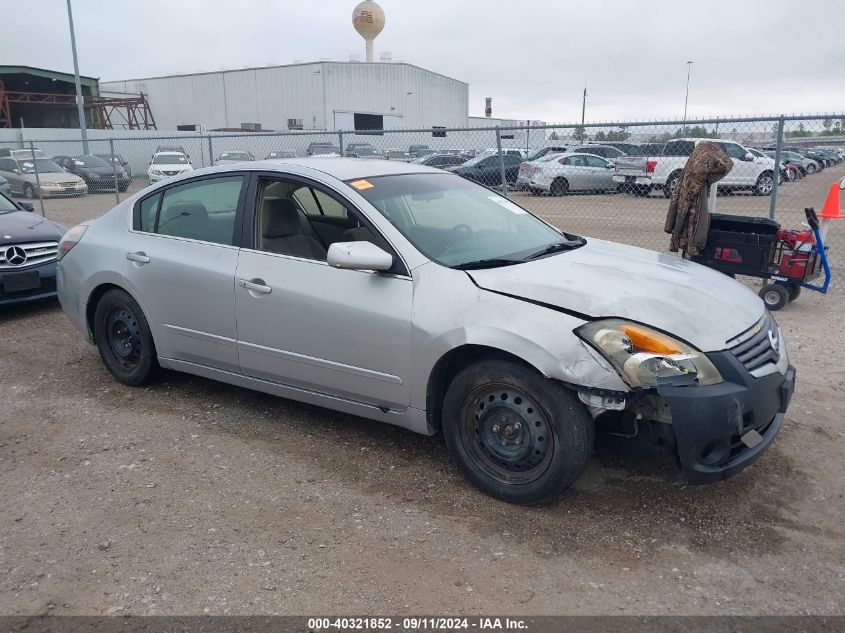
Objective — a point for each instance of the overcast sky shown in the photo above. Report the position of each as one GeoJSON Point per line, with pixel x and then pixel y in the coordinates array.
{"type": "Point", "coordinates": [533, 57]}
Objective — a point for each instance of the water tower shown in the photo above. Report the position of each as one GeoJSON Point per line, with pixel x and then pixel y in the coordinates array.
{"type": "Point", "coordinates": [368, 20]}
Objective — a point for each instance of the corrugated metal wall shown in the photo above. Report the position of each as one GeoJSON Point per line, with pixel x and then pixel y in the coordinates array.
{"type": "Point", "coordinates": [314, 92]}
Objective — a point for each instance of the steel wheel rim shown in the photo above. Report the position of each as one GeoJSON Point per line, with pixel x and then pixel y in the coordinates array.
{"type": "Point", "coordinates": [506, 434]}
{"type": "Point", "coordinates": [766, 184]}
{"type": "Point", "coordinates": [123, 335]}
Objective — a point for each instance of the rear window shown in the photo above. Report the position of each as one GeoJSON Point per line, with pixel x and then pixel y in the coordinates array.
{"type": "Point", "coordinates": [678, 148]}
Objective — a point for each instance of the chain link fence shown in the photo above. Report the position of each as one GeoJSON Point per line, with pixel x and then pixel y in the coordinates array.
{"type": "Point", "coordinates": [609, 180]}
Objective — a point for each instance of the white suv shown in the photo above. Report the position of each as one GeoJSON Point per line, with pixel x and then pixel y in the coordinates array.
{"type": "Point", "coordinates": [166, 164]}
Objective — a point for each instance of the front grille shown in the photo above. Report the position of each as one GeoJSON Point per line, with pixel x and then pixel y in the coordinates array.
{"type": "Point", "coordinates": [758, 346]}
{"type": "Point", "coordinates": [36, 253]}
{"type": "Point", "coordinates": [48, 285]}
{"type": "Point", "coordinates": [67, 184]}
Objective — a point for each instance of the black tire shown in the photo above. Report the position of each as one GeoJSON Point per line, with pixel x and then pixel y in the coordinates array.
{"type": "Point", "coordinates": [765, 184]}
{"type": "Point", "coordinates": [529, 443]}
{"type": "Point", "coordinates": [794, 291]}
{"type": "Point", "coordinates": [122, 188]}
{"type": "Point", "coordinates": [811, 168]}
{"type": "Point", "coordinates": [671, 182]}
{"type": "Point", "coordinates": [559, 187]}
{"type": "Point", "coordinates": [29, 192]}
{"type": "Point", "coordinates": [124, 339]}
{"type": "Point", "coordinates": [641, 191]}
{"type": "Point", "coordinates": [775, 296]}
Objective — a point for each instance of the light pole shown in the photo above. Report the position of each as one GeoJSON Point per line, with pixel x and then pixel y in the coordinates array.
{"type": "Point", "coordinates": [583, 112]}
{"type": "Point", "coordinates": [80, 104]}
{"type": "Point", "coordinates": [686, 97]}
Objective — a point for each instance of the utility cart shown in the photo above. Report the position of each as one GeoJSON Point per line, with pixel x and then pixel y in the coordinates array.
{"type": "Point", "coordinates": [788, 260]}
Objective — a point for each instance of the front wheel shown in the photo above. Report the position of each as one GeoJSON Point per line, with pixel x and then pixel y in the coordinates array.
{"type": "Point", "coordinates": [775, 296]}
{"type": "Point", "coordinates": [124, 339]}
{"type": "Point", "coordinates": [765, 184]}
{"type": "Point", "coordinates": [515, 434]}
{"type": "Point", "coordinates": [29, 192]}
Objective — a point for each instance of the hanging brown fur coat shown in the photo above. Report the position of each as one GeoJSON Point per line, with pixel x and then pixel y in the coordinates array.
{"type": "Point", "coordinates": [688, 219]}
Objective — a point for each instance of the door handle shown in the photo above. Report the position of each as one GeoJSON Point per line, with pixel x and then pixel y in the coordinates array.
{"type": "Point", "coordinates": [140, 257]}
{"type": "Point", "coordinates": [255, 285]}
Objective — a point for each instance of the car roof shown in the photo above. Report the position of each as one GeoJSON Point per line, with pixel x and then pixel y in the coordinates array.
{"type": "Point", "coordinates": [170, 153]}
{"type": "Point", "coordinates": [340, 168]}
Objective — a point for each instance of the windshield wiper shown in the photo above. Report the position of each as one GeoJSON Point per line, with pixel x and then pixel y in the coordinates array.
{"type": "Point", "coordinates": [493, 262]}
{"type": "Point", "coordinates": [555, 248]}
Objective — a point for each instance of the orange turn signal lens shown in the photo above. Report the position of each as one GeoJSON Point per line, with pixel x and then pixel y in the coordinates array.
{"type": "Point", "coordinates": [647, 340]}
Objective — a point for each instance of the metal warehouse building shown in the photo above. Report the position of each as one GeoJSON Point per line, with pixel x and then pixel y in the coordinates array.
{"type": "Point", "coordinates": [319, 95]}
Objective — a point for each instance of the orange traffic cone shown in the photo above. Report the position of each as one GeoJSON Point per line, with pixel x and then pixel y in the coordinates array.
{"type": "Point", "coordinates": [830, 210]}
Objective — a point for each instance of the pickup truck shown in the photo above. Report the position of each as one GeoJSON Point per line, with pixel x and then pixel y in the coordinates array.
{"type": "Point", "coordinates": [641, 175]}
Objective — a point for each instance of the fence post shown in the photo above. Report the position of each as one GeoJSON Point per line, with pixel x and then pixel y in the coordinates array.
{"type": "Point", "coordinates": [501, 161]}
{"type": "Point", "coordinates": [114, 170]}
{"type": "Point", "coordinates": [37, 178]}
{"type": "Point", "coordinates": [773, 199]}
{"type": "Point", "coordinates": [340, 141]}
{"type": "Point", "coordinates": [210, 152]}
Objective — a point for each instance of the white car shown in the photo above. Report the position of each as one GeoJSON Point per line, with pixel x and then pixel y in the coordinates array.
{"type": "Point", "coordinates": [528, 167]}
{"type": "Point", "coordinates": [574, 171]}
{"type": "Point", "coordinates": [166, 164]}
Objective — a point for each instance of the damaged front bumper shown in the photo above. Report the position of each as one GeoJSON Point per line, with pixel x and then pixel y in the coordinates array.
{"type": "Point", "coordinates": [721, 429]}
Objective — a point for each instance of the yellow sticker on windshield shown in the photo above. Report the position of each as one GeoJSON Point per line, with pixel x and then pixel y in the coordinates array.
{"type": "Point", "coordinates": [360, 185]}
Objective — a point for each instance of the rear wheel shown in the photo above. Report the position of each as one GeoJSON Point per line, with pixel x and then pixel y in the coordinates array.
{"type": "Point", "coordinates": [794, 291]}
{"type": "Point", "coordinates": [765, 184]}
{"type": "Point", "coordinates": [124, 339]}
{"type": "Point", "coordinates": [560, 187]}
{"type": "Point", "coordinates": [641, 191]}
{"type": "Point", "coordinates": [775, 296]}
{"type": "Point", "coordinates": [515, 434]}
{"type": "Point", "coordinates": [811, 168]}
{"type": "Point", "coordinates": [671, 184]}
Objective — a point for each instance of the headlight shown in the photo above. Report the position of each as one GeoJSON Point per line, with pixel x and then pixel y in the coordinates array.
{"type": "Point", "coordinates": [155, 172]}
{"type": "Point", "coordinates": [646, 358]}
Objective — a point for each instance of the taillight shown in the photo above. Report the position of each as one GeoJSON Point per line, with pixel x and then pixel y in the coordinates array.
{"type": "Point", "coordinates": [69, 240]}
{"type": "Point", "coordinates": [650, 165]}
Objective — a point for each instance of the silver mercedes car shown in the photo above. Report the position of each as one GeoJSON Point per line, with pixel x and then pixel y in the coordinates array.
{"type": "Point", "coordinates": [412, 296]}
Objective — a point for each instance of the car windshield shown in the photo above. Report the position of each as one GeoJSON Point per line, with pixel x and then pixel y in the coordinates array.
{"type": "Point", "coordinates": [45, 166]}
{"type": "Point", "coordinates": [282, 153]}
{"type": "Point", "coordinates": [458, 223]}
{"type": "Point", "coordinates": [6, 205]}
{"type": "Point", "coordinates": [480, 157]}
{"type": "Point", "coordinates": [89, 161]}
{"type": "Point", "coordinates": [108, 158]}
{"type": "Point", "coordinates": [234, 156]}
{"type": "Point", "coordinates": [170, 159]}
{"type": "Point", "coordinates": [365, 151]}
{"type": "Point", "coordinates": [325, 149]}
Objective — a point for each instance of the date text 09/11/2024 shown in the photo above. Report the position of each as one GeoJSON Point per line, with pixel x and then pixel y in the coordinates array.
{"type": "Point", "coordinates": [417, 624]}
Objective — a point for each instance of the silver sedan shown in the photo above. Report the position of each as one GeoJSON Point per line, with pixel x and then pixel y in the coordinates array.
{"type": "Point", "coordinates": [572, 172]}
{"type": "Point", "coordinates": [409, 295]}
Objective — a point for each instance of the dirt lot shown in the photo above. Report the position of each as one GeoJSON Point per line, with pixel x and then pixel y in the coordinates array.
{"type": "Point", "coordinates": [193, 497]}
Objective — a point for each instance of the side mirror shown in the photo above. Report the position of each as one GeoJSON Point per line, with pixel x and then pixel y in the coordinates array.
{"type": "Point", "coordinates": [17, 171]}
{"type": "Point", "coordinates": [749, 157]}
{"type": "Point", "coordinates": [842, 183]}
{"type": "Point", "coordinates": [27, 206]}
{"type": "Point", "coordinates": [359, 256]}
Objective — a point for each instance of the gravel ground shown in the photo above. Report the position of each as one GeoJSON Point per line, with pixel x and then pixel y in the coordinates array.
{"type": "Point", "coordinates": [192, 497]}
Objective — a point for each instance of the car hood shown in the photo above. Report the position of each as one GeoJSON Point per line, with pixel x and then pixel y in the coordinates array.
{"type": "Point", "coordinates": [25, 226]}
{"type": "Point", "coordinates": [54, 177]}
{"type": "Point", "coordinates": [605, 279]}
{"type": "Point", "coordinates": [102, 171]}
